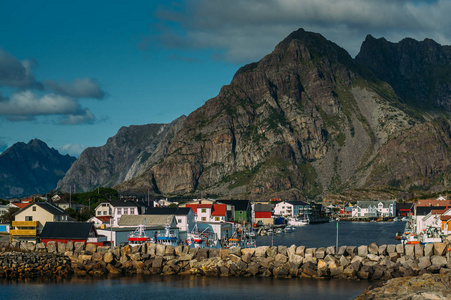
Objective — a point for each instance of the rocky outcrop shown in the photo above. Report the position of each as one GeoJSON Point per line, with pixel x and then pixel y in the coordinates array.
{"type": "Point", "coordinates": [33, 168]}
{"type": "Point", "coordinates": [419, 72]}
{"type": "Point", "coordinates": [424, 287]}
{"type": "Point", "coordinates": [126, 155]}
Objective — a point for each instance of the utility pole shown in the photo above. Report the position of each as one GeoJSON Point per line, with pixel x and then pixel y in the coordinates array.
{"type": "Point", "coordinates": [338, 220]}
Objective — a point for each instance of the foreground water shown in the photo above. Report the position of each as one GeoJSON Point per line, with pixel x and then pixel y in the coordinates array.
{"type": "Point", "coordinates": [188, 287]}
{"type": "Point", "coordinates": [197, 287]}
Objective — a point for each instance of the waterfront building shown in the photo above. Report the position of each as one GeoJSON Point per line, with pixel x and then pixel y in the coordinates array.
{"type": "Point", "coordinates": [426, 216]}
{"type": "Point", "coordinates": [238, 211]}
{"type": "Point", "coordinates": [153, 225]}
{"type": "Point", "coordinates": [292, 209]}
{"type": "Point", "coordinates": [374, 209]}
{"type": "Point", "coordinates": [118, 208]}
{"type": "Point", "coordinates": [185, 218]}
{"type": "Point", "coordinates": [440, 201]}
{"type": "Point", "coordinates": [209, 212]}
{"type": "Point", "coordinates": [262, 212]}
{"type": "Point", "coordinates": [29, 221]}
{"type": "Point", "coordinates": [100, 221]}
{"type": "Point", "coordinates": [404, 209]}
{"type": "Point", "coordinates": [71, 231]}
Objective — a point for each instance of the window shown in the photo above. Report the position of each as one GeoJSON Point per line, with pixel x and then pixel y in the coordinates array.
{"type": "Point", "coordinates": [34, 208]}
{"type": "Point", "coordinates": [125, 211]}
{"type": "Point", "coordinates": [104, 212]}
{"type": "Point", "coordinates": [204, 219]}
{"type": "Point", "coordinates": [28, 218]}
{"type": "Point", "coordinates": [204, 210]}
{"type": "Point", "coordinates": [179, 221]}
{"type": "Point", "coordinates": [99, 212]}
{"type": "Point", "coordinates": [119, 211]}
{"type": "Point", "coordinates": [132, 211]}
{"type": "Point", "coordinates": [216, 218]}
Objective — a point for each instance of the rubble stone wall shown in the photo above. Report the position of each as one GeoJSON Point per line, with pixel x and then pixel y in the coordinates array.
{"type": "Point", "coordinates": [372, 262]}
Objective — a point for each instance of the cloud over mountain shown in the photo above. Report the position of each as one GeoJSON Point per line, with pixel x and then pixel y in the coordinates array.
{"type": "Point", "coordinates": [243, 31]}
{"type": "Point", "coordinates": [29, 98]}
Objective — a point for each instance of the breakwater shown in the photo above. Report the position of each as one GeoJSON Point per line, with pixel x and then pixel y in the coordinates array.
{"type": "Point", "coordinates": [372, 262]}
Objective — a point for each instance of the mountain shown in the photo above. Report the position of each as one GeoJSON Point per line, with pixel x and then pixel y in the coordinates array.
{"type": "Point", "coordinates": [304, 121]}
{"type": "Point", "coordinates": [308, 120]}
{"type": "Point", "coordinates": [32, 168]}
{"type": "Point", "coordinates": [126, 155]}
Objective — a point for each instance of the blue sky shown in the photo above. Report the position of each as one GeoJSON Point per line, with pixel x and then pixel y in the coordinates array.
{"type": "Point", "coordinates": [73, 72]}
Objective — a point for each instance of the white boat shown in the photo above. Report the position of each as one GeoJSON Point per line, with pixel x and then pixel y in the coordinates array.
{"type": "Point", "coordinates": [289, 228]}
{"type": "Point", "coordinates": [430, 235]}
{"type": "Point", "coordinates": [138, 237]}
{"type": "Point", "coordinates": [297, 222]}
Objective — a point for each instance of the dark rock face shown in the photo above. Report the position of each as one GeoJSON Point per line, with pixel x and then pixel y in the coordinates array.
{"type": "Point", "coordinates": [419, 72]}
{"type": "Point", "coordinates": [32, 168]}
{"type": "Point", "coordinates": [129, 153]}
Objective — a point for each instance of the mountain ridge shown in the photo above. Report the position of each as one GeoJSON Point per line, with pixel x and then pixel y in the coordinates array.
{"type": "Point", "coordinates": [31, 168]}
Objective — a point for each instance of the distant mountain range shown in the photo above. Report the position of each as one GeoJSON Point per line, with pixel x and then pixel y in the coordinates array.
{"type": "Point", "coordinates": [305, 121]}
{"type": "Point", "coordinates": [33, 168]}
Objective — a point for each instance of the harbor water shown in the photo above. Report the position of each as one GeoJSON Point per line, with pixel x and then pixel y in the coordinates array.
{"type": "Point", "coordinates": [200, 287]}
{"type": "Point", "coordinates": [325, 234]}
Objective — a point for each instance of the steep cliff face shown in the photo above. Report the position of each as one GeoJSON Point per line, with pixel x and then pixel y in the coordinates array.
{"type": "Point", "coordinates": [32, 168]}
{"type": "Point", "coordinates": [126, 155]}
{"type": "Point", "coordinates": [300, 122]}
{"type": "Point", "coordinates": [419, 72]}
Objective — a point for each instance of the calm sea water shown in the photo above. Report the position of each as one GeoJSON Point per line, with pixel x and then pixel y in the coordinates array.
{"type": "Point", "coordinates": [325, 234]}
{"type": "Point", "coordinates": [198, 287]}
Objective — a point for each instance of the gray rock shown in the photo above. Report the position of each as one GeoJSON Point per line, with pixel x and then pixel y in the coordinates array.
{"type": "Point", "coordinates": [362, 251]}
{"type": "Point", "coordinates": [61, 247]}
{"type": "Point", "coordinates": [373, 248]}
{"type": "Point", "coordinates": [51, 247]}
{"type": "Point", "coordinates": [439, 248]}
{"type": "Point", "coordinates": [429, 250]}
{"type": "Point", "coordinates": [382, 250]}
{"type": "Point", "coordinates": [409, 250]}
{"type": "Point", "coordinates": [391, 248]}
{"type": "Point", "coordinates": [260, 251]}
{"type": "Point", "coordinates": [79, 246]}
{"type": "Point", "coordinates": [400, 249]}
{"type": "Point", "coordinates": [438, 260]}
{"type": "Point", "coordinates": [310, 252]}
{"type": "Point", "coordinates": [419, 250]}
{"type": "Point", "coordinates": [300, 251]}
{"type": "Point", "coordinates": [320, 253]}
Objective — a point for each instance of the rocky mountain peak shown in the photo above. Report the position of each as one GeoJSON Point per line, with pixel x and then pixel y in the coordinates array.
{"type": "Point", "coordinates": [31, 168]}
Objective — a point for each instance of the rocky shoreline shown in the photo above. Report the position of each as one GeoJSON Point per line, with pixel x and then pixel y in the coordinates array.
{"type": "Point", "coordinates": [371, 262]}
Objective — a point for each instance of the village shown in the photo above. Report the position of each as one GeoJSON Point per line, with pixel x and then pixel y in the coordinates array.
{"type": "Point", "coordinates": [212, 223]}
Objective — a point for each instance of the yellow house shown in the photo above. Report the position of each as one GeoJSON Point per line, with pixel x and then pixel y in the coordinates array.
{"type": "Point", "coordinates": [29, 221]}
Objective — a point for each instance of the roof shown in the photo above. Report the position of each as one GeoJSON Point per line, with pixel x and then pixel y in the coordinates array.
{"type": "Point", "coordinates": [365, 204]}
{"type": "Point", "coordinates": [66, 230]}
{"type": "Point", "coordinates": [405, 206]}
{"type": "Point", "coordinates": [147, 220]}
{"type": "Point", "coordinates": [424, 210]}
{"type": "Point", "coordinates": [53, 209]}
{"type": "Point", "coordinates": [294, 203]}
{"type": "Point", "coordinates": [239, 204]}
{"type": "Point", "coordinates": [216, 209]}
{"type": "Point", "coordinates": [259, 207]}
{"type": "Point", "coordinates": [21, 205]}
{"type": "Point", "coordinates": [178, 211]}
{"type": "Point", "coordinates": [103, 219]}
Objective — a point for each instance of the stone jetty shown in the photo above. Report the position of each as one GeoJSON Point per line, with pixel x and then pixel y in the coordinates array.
{"type": "Point", "coordinates": [372, 262]}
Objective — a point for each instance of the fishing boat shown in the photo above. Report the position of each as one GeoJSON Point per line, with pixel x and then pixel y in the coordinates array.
{"type": "Point", "coordinates": [167, 238]}
{"type": "Point", "coordinates": [138, 237]}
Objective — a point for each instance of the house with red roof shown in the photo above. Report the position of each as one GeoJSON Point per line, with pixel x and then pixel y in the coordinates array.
{"type": "Point", "coordinates": [209, 212]}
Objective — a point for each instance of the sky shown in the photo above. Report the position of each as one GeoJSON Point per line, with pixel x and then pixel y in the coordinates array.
{"type": "Point", "coordinates": [72, 73]}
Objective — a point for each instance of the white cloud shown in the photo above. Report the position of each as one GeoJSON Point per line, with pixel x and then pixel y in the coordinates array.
{"type": "Point", "coordinates": [26, 105]}
{"type": "Point", "coordinates": [79, 88]}
{"type": "Point", "coordinates": [82, 117]}
{"type": "Point", "coordinates": [72, 149]}
{"type": "Point", "coordinates": [31, 98]}
{"type": "Point", "coordinates": [243, 31]}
